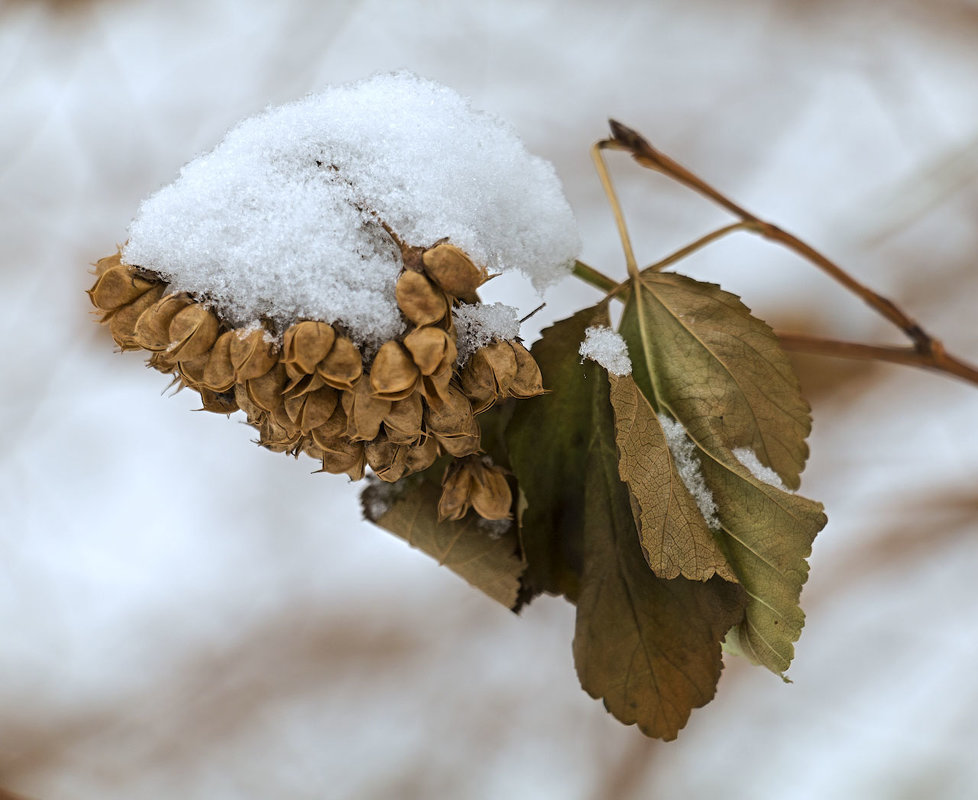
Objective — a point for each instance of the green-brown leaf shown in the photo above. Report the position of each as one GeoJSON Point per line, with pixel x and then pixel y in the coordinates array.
{"type": "Point", "coordinates": [649, 646]}
{"type": "Point", "coordinates": [699, 354]}
{"type": "Point", "coordinates": [675, 537]}
{"type": "Point", "coordinates": [547, 439]}
{"type": "Point", "coordinates": [465, 547]}
{"type": "Point", "coordinates": [768, 534]}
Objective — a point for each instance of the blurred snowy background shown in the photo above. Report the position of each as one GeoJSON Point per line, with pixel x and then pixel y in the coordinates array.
{"type": "Point", "coordinates": [185, 615]}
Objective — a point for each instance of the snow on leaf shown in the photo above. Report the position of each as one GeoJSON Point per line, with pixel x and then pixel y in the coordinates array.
{"type": "Point", "coordinates": [699, 352]}
{"type": "Point", "coordinates": [675, 537]}
{"type": "Point", "coordinates": [649, 647]}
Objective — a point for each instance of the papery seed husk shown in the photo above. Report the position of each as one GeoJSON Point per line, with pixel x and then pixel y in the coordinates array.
{"type": "Point", "coordinates": [331, 435]}
{"type": "Point", "coordinates": [343, 366]}
{"type": "Point", "coordinates": [193, 332]}
{"type": "Point", "coordinates": [393, 375]}
{"type": "Point", "coordinates": [419, 299]}
{"type": "Point", "coordinates": [502, 360]}
{"type": "Point", "coordinates": [455, 490]}
{"type": "Point", "coordinates": [302, 384]}
{"type": "Point", "coordinates": [243, 398]}
{"type": "Point", "coordinates": [490, 493]}
{"type": "Point", "coordinates": [218, 374]}
{"type": "Point", "coordinates": [421, 456]}
{"type": "Point", "coordinates": [386, 459]}
{"type": "Point", "coordinates": [430, 349]}
{"type": "Point", "coordinates": [403, 420]}
{"type": "Point", "coordinates": [364, 412]}
{"type": "Point", "coordinates": [192, 370]}
{"type": "Point", "coordinates": [528, 381]}
{"type": "Point", "coordinates": [307, 343]}
{"type": "Point", "coordinates": [479, 383]}
{"type": "Point", "coordinates": [122, 324]}
{"type": "Point", "coordinates": [311, 410]}
{"type": "Point", "coordinates": [153, 326]}
{"type": "Point", "coordinates": [105, 264]}
{"type": "Point", "coordinates": [266, 390]}
{"type": "Point", "coordinates": [453, 271]}
{"type": "Point", "coordinates": [218, 402]}
{"type": "Point", "coordinates": [434, 388]}
{"type": "Point", "coordinates": [252, 354]}
{"type": "Point", "coordinates": [117, 286]}
{"type": "Point", "coordinates": [454, 415]}
{"type": "Point", "coordinates": [352, 462]}
{"type": "Point", "coordinates": [461, 443]}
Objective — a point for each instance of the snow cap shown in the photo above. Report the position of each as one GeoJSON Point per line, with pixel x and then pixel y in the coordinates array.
{"type": "Point", "coordinates": [291, 215]}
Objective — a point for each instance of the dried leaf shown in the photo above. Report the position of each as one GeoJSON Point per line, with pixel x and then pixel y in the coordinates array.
{"type": "Point", "coordinates": [650, 647]}
{"type": "Point", "coordinates": [675, 537]}
{"type": "Point", "coordinates": [699, 354]}
{"type": "Point", "coordinates": [489, 564]}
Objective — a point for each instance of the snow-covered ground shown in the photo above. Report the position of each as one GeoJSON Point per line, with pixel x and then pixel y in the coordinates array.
{"type": "Point", "coordinates": [185, 615]}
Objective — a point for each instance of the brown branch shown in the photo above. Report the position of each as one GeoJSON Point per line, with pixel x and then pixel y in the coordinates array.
{"type": "Point", "coordinates": [929, 351]}
{"type": "Point", "coordinates": [938, 359]}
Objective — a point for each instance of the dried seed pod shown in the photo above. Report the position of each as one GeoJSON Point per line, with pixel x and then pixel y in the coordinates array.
{"type": "Point", "coordinates": [453, 271]}
{"type": "Point", "coordinates": [243, 399]}
{"type": "Point", "coordinates": [331, 435]}
{"type": "Point", "coordinates": [350, 459]}
{"type": "Point", "coordinates": [364, 412]}
{"type": "Point", "coordinates": [475, 483]}
{"type": "Point", "coordinates": [453, 424]}
{"type": "Point", "coordinates": [343, 366]}
{"type": "Point", "coordinates": [266, 390]}
{"type": "Point", "coordinates": [403, 420]}
{"type": "Point", "coordinates": [122, 321]}
{"type": "Point", "coordinates": [153, 326]}
{"type": "Point", "coordinates": [434, 388]}
{"type": "Point", "coordinates": [489, 374]}
{"type": "Point", "coordinates": [312, 409]}
{"type": "Point", "coordinates": [478, 383]}
{"type": "Point", "coordinates": [276, 437]}
{"type": "Point", "coordinates": [218, 374]}
{"type": "Point", "coordinates": [421, 456]}
{"type": "Point", "coordinates": [252, 354]}
{"type": "Point", "coordinates": [105, 264]}
{"type": "Point", "coordinates": [431, 349]}
{"type": "Point", "coordinates": [393, 375]}
{"type": "Point", "coordinates": [491, 496]}
{"type": "Point", "coordinates": [218, 402]}
{"type": "Point", "coordinates": [193, 332]}
{"type": "Point", "coordinates": [305, 345]}
{"type": "Point", "coordinates": [192, 371]}
{"type": "Point", "coordinates": [420, 300]}
{"type": "Point", "coordinates": [386, 459]}
{"type": "Point", "coordinates": [118, 286]}
{"type": "Point", "coordinates": [528, 381]}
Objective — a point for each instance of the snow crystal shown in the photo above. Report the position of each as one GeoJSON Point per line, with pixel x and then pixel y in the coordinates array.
{"type": "Point", "coordinates": [478, 325]}
{"type": "Point", "coordinates": [749, 459]}
{"type": "Point", "coordinates": [687, 462]}
{"type": "Point", "coordinates": [289, 216]}
{"type": "Point", "coordinates": [605, 346]}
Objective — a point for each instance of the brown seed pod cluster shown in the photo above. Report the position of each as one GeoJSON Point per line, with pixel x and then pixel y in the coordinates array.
{"type": "Point", "coordinates": [310, 390]}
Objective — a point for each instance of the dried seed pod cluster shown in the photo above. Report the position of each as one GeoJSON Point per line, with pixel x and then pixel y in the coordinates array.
{"type": "Point", "coordinates": [310, 390]}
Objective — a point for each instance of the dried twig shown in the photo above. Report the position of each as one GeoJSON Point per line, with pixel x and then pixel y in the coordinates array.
{"type": "Point", "coordinates": [926, 351]}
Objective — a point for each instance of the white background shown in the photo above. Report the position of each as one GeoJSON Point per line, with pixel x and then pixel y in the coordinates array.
{"type": "Point", "coordinates": [186, 615]}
